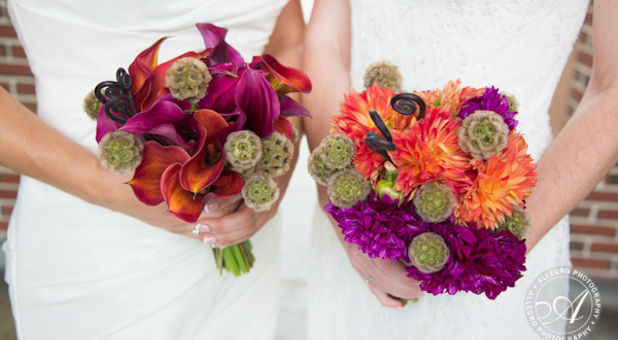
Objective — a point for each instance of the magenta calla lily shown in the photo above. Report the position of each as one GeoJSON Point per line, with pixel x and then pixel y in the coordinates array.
{"type": "Point", "coordinates": [104, 124]}
{"type": "Point", "coordinates": [259, 101]}
{"type": "Point", "coordinates": [168, 120]}
{"type": "Point", "coordinates": [289, 107]}
{"type": "Point", "coordinates": [220, 51]}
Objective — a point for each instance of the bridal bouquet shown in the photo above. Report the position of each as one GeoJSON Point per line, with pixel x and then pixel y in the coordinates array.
{"type": "Point", "coordinates": [203, 123]}
{"type": "Point", "coordinates": [435, 179]}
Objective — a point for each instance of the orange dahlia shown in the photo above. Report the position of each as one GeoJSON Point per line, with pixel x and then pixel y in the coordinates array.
{"type": "Point", "coordinates": [354, 121]}
{"type": "Point", "coordinates": [451, 98]}
{"type": "Point", "coordinates": [429, 151]}
{"type": "Point", "coordinates": [505, 180]}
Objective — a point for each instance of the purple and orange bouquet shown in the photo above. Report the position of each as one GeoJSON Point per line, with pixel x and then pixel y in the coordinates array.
{"type": "Point", "coordinates": [203, 123]}
{"type": "Point", "coordinates": [436, 180]}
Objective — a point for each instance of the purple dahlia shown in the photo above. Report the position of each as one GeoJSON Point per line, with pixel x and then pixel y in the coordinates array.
{"type": "Point", "coordinates": [480, 262]}
{"type": "Point", "coordinates": [491, 100]}
{"type": "Point", "coordinates": [376, 226]}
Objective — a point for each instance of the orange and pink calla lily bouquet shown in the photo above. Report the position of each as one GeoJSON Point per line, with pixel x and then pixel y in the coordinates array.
{"type": "Point", "coordinates": [199, 124]}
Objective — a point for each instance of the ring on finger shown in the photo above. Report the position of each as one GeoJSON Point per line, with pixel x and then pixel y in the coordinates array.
{"type": "Point", "coordinates": [369, 279]}
{"type": "Point", "coordinates": [196, 230]}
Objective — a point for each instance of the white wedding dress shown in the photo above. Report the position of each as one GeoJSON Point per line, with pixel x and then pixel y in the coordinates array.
{"type": "Point", "coordinates": [80, 272]}
{"type": "Point", "coordinates": [520, 46]}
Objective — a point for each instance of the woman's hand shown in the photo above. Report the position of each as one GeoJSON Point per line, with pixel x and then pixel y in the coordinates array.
{"type": "Point", "coordinates": [384, 278]}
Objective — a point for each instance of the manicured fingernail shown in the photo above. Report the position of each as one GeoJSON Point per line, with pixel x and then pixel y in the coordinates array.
{"type": "Point", "coordinates": [210, 207]}
{"type": "Point", "coordinates": [203, 228]}
{"type": "Point", "coordinates": [209, 241]}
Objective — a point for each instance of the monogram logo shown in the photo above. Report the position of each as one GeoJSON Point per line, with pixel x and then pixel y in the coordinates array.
{"type": "Point", "coordinates": [553, 313]}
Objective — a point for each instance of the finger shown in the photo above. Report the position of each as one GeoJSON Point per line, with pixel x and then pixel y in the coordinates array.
{"type": "Point", "coordinates": [215, 205]}
{"type": "Point", "coordinates": [383, 298]}
{"type": "Point", "coordinates": [233, 222]}
{"type": "Point", "coordinates": [392, 278]}
{"type": "Point", "coordinates": [230, 239]}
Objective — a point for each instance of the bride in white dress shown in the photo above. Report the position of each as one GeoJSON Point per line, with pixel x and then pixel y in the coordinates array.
{"type": "Point", "coordinates": [520, 47]}
{"type": "Point", "coordinates": [85, 259]}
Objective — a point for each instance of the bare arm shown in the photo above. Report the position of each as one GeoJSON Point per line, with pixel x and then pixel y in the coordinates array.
{"type": "Point", "coordinates": [31, 147]}
{"type": "Point", "coordinates": [326, 59]}
{"type": "Point", "coordinates": [587, 147]}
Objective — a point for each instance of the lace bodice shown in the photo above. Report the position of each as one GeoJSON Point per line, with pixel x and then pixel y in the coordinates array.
{"type": "Point", "coordinates": [520, 46]}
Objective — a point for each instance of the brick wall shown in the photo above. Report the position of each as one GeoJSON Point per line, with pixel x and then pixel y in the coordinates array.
{"type": "Point", "coordinates": [594, 245]}
{"type": "Point", "coordinates": [15, 77]}
{"type": "Point", "coordinates": [594, 222]}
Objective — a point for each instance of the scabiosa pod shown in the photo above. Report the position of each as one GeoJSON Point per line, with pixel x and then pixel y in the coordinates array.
{"type": "Point", "coordinates": [260, 192]}
{"type": "Point", "coordinates": [338, 151]}
{"type": "Point", "coordinates": [92, 105]}
{"type": "Point", "coordinates": [384, 74]}
{"type": "Point", "coordinates": [434, 202]}
{"type": "Point", "coordinates": [120, 151]}
{"type": "Point", "coordinates": [512, 100]}
{"type": "Point", "coordinates": [320, 172]}
{"type": "Point", "coordinates": [188, 78]}
{"type": "Point", "coordinates": [490, 100]}
{"type": "Point", "coordinates": [428, 252]}
{"type": "Point", "coordinates": [243, 149]}
{"type": "Point", "coordinates": [277, 153]}
{"type": "Point", "coordinates": [347, 187]}
{"type": "Point", "coordinates": [483, 134]}
{"type": "Point", "coordinates": [517, 223]}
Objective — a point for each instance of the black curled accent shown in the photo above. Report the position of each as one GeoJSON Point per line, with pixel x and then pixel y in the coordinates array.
{"type": "Point", "coordinates": [408, 103]}
{"type": "Point", "coordinates": [380, 145]}
{"type": "Point", "coordinates": [117, 97]}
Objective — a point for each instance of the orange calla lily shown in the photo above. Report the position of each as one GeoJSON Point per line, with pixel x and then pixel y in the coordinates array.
{"type": "Point", "coordinates": [147, 176]}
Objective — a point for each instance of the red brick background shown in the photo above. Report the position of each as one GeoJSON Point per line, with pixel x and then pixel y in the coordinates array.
{"type": "Point", "coordinates": [594, 245]}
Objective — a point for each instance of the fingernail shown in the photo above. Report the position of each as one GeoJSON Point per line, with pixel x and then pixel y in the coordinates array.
{"type": "Point", "coordinates": [203, 228]}
{"type": "Point", "coordinates": [210, 207]}
{"type": "Point", "coordinates": [209, 241]}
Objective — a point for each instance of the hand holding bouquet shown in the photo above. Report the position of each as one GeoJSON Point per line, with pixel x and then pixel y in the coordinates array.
{"type": "Point", "coordinates": [436, 180]}
{"type": "Point", "coordinates": [202, 123]}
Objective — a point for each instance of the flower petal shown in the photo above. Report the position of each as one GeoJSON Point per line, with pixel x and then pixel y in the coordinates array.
{"type": "Point", "coordinates": [289, 107]}
{"type": "Point", "coordinates": [283, 78]}
{"type": "Point", "coordinates": [142, 66]}
{"type": "Point", "coordinates": [259, 101]}
{"type": "Point", "coordinates": [104, 124]}
{"type": "Point", "coordinates": [154, 86]}
{"type": "Point", "coordinates": [185, 205]}
{"type": "Point", "coordinates": [284, 127]}
{"type": "Point", "coordinates": [147, 177]}
{"type": "Point", "coordinates": [211, 121]}
{"type": "Point", "coordinates": [230, 183]}
{"type": "Point", "coordinates": [168, 119]}
{"type": "Point", "coordinates": [220, 51]}
{"type": "Point", "coordinates": [204, 168]}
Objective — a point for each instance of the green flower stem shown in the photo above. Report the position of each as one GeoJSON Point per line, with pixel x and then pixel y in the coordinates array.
{"type": "Point", "coordinates": [230, 262]}
{"type": "Point", "coordinates": [242, 264]}
{"type": "Point", "coordinates": [237, 259]}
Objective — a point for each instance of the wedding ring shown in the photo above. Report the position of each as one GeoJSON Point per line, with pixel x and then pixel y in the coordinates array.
{"type": "Point", "coordinates": [369, 279]}
{"type": "Point", "coordinates": [196, 229]}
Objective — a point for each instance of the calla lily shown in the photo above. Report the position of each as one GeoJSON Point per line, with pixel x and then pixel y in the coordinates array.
{"type": "Point", "coordinates": [221, 90]}
{"type": "Point", "coordinates": [206, 165]}
{"type": "Point", "coordinates": [168, 121]}
{"type": "Point", "coordinates": [258, 100]}
{"type": "Point", "coordinates": [283, 78]}
{"type": "Point", "coordinates": [148, 78]}
{"type": "Point", "coordinates": [147, 177]}
{"type": "Point", "coordinates": [220, 52]}
{"type": "Point", "coordinates": [104, 124]}
{"type": "Point", "coordinates": [289, 107]}
{"type": "Point", "coordinates": [185, 205]}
